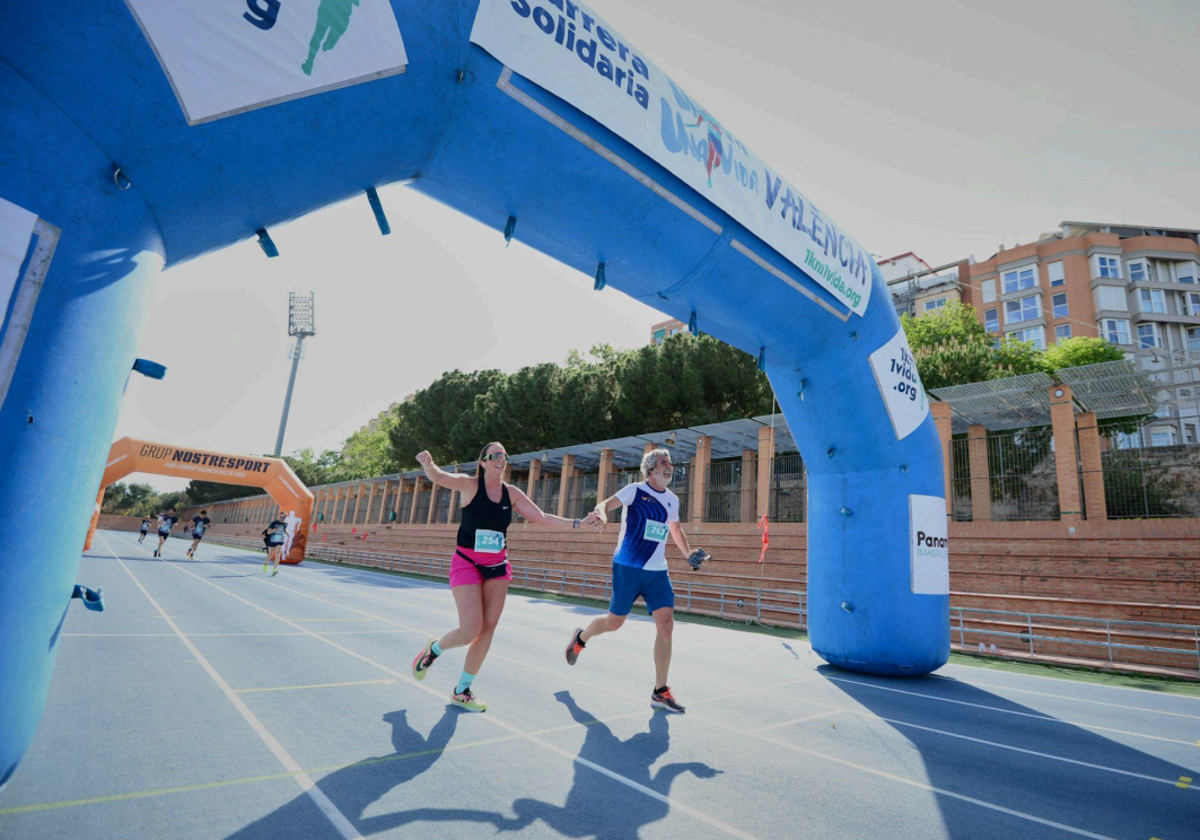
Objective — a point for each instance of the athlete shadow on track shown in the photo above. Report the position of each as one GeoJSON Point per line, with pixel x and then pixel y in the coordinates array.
{"type": "Point", "coordinates": [355, 788]}
{"type": "Point", "coordinates": [1087, 798]}
{"type": "Point", "coordinates": [598, 807]}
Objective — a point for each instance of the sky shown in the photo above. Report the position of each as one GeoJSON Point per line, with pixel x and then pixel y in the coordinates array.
{"type": "Point", "coordinates": [942, 127]}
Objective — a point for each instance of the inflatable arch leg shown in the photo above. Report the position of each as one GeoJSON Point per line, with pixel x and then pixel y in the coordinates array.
{"type": "Point", "coordinates": [58, 416]}
{"type": "Point", "coordinates": [490, 139]}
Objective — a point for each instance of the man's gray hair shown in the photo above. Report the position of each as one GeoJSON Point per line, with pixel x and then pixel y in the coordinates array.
{"type": "Point", "coordinates": [650, 461]}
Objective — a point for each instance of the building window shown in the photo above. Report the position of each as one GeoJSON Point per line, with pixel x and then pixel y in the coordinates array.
{"type": "Point", "coordinates": [1110, 267]}
{"type": "Point", "coordinates": [1191, 303]}
{"type": "Point", "coordinates": [1059, 302]}
{"type": "Point", "coordinates": [1033, 334]}
{"type": "Point", "coordinates": [989, 290]}
{"type": "Point", "coordinates": [991, 320]}
{"type": "Point", "coordinates": [1022, 309]}
{"type": "Point", "coordinates": [1147, 336]}
{"type": "Point", "coordinates": [659, 335]}
{"type": "Point", "coordinates": [1056, 274]}
{"type": "Point", "coordinates": [1021, 278]}
{"type": "Point", "coordinates": [1062, 332]}
{"type": "Point", "coordinates": [1152, 301]}
{"type": "Point", "coordinates": [1162, 437]}
{"type": "Point", "coordinates": [1115, 330]}
{"type": "Point", "coordinates": [1137, 272]}
{"type": "Point", "coordinates": [936, 303]}
{"type": "Point", "coordinates": [1193, 338]}
{"type": "Point", "coordinates": [1189, 433]}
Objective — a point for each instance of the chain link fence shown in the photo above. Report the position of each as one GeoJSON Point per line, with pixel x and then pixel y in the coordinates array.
{"type": "Point", "coordinates": [1023, 475]}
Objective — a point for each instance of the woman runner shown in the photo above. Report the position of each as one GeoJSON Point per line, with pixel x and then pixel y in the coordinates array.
{"type": "Point", "coordinates": [479, 571]}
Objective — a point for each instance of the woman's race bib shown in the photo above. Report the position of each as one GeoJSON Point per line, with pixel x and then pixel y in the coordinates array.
{"type": "Point", "coordinates": [655, 531]}
{"type": "Point", "coordinates": [489, 542]}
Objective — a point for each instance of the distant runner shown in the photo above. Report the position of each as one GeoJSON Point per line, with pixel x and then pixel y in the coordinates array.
{"type": "Point", "coordinates": [199, 524]}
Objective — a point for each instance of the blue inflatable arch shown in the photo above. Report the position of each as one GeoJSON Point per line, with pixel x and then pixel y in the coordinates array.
{"type": "Point", "coordinates": [124, 152]}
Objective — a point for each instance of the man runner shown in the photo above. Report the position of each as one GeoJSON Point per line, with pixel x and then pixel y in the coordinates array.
{"type": "Point", "coordinates": [145, 528]}
{"type": "Point", "coordinates": [651, 514]}
{"type": "Point", "coordinates": [276, 535]}
{"type": "Point", "coordinates": [166, 521]}
{"type": "Point", "coordinates": [199, 523]}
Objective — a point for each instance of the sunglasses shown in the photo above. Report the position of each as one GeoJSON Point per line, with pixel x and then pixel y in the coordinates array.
{"type": "Point", "coordinates": [494, 456]}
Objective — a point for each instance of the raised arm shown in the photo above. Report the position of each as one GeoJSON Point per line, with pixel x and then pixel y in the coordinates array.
{"type": "Point", "coordinates": [523, 505]}
{"type": "Point", "coordinates": [455, 481]}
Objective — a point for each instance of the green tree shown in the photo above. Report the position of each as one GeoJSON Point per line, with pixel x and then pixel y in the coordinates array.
{"type": "Point", "coordinates": [368, 452]}
{"type": "Point", "coordinates": [206, 492]}
{"type": "Point", "coordinates": [955, 323]}
{"type": "Point", "coordinates": [1078, 351]}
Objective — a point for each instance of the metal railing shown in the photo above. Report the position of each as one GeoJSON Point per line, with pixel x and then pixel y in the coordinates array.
{"type": "Point", "coordinates": [1081, 636]}
{"type": "Point", "coordinates": [1048, 629]}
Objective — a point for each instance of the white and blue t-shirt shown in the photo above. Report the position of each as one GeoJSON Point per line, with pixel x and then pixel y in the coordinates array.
{"type": "Point", "coordinates": [644, 532]}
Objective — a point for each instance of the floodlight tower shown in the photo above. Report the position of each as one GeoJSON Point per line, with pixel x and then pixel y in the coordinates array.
{"type": "Point", "coordinates": [300, 324]}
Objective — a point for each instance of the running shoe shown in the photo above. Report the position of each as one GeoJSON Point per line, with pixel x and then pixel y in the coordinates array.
{"type": "Point", "coordinates": [575, 647]}
{"type": "Point", "coordinates": [266, 567]}
{"type": "Point", "coordinates": [424, 659]}
{"type": "Point", "coordinates": [665, 700]}
{"type": "Point", "coordinates": [468, 701]}
{"type": "Point", "coordinates": [275, 571]}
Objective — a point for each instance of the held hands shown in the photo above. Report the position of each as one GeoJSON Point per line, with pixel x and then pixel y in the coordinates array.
{"type": "Point", "coordinates": [594, 521]}
{"type": "Point", "coordinates": [697, 557]}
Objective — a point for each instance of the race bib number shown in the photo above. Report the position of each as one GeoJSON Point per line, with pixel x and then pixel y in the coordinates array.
{"type": "Point", "coordinates": [489, 542]}
{"type": "Point", "coordinates": [656, 532]}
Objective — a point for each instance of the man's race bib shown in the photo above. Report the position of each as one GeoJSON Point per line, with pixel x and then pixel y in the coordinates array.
{"type": "Point", "coordinates": [656, 531]}
{"type": "Point", "coordinates": [489, 542]}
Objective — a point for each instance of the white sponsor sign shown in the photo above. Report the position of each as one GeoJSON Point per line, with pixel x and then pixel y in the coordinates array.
{"type": "Point", "coordinates": [223, 57]}
{"type": "Point", "coordinates": [570, 51]}
{"type": "Point", "coordinates": [928, 545]}
{"type": "Point", "coordinates": [900, 385]}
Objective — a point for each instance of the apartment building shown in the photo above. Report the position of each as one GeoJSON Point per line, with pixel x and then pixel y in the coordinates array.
{"type": "Point", "coordinates": [1138, 287]}
{"type": "Point", "coordinates": [659, 332]}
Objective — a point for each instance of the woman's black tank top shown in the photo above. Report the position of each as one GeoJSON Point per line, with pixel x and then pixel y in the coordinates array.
{"type": "Point", "coordinates": [482, 514]}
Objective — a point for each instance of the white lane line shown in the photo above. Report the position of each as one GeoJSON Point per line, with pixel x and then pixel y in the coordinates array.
{"type": "Point", "coordinates": [834, 709]}
{"type": "Point", "coordinates": [1105, 687]}
{"type": "Point", "coordinates": [407, 678]}
{"type": "Point", "coordinates": [883, 774]}
{"type": "Point", "coordinates": [997, 744]}
{"type": "Point", "coordinates": [1073, 699]}
{"type": "Point", "coordinates": [320, 685]}
{"type": "Point", "coordinates": [997, 709]}
{"type": "Point", "coordinates": [308, 578]}
{"type": "Point", "coordinates": [744, 733]}
{"type": "Point", "coordinates": [331, 812]}
{"type": "Point", "coordinates": [794, 721]}
{"type": "Point", "coordinates": [510, 627]}
{"type": "Point", "coordinates": [1038, 717]}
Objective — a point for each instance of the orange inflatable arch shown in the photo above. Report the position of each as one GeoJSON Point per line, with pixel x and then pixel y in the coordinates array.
{"type": "Point", "coordinates": [273, 475]}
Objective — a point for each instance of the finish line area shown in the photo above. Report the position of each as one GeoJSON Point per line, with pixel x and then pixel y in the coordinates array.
{"type": "Point", "coordinates": [211, 701]}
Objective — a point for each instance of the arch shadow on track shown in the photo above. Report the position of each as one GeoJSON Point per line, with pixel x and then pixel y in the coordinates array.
{"type": "Point", "coordinates": [1093, 802]}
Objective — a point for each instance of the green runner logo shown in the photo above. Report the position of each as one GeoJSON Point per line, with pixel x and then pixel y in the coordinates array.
{"type": "Point", "coordinates": [333, 19]}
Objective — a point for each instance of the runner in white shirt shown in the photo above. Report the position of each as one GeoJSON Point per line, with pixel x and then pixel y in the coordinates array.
{"type": "Point", "coordinates": [166, 521]}
{"type": "Point", "coordinates": [640, 566]}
